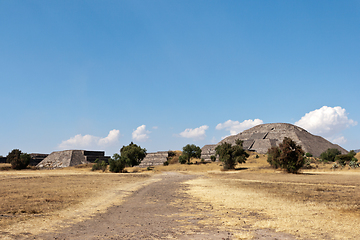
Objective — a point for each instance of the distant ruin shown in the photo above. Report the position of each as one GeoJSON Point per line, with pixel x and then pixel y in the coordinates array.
{"type": "Point", "coordinates": [262, 137]}
{"type": "Point", "coordinates": [69, 158]}
{"type": "Point", "coordinates": [154, 159]}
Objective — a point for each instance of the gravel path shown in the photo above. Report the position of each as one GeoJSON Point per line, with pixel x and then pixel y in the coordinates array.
{"type": "Point", "coordinates": [158, 211]}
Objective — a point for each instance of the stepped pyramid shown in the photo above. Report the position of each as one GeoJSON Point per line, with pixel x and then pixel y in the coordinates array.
{"type": "Point", "coordinates": [69, 158]}
{"type": "Point", "coordinates": [262, 137]}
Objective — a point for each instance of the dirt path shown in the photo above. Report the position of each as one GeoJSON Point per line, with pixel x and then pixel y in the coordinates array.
{"type": "Point", "coordinates": [161, 210]}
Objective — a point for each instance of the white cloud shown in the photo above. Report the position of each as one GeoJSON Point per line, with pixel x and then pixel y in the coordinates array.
{"type": "Point", "coordinates": [196, 133]}
{"type": "Point", "coordinates": [155, 127]}
{"type": "Point", "coordinates": [327, 122]}
{"type": "Point", "coordinates": [236, 127]}
{"type": "Point", "coordinates": [140, 134]}
{"type": "Point", "coordinates": [89, 141]}
{"type": "Point", "coordinates": [339, 140]}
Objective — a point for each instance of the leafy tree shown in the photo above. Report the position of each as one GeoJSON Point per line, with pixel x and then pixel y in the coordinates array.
{"type": "Point", "coordinates": [329, 155]}
{"type": "Point", "coordinates": [133, 154]}
{"type": "Point", "coordinates": [117, 163]}
{"type": "Point", "coordinates": [18, 160]}
{"type": "Point", "coordinates": [213, 158]}
{"type": "Point", "coordinates": [288, 156]}
{"type": "Point", "coordinates": [231, 155]}
{"type": "Point", "coordinates": [190, 151]}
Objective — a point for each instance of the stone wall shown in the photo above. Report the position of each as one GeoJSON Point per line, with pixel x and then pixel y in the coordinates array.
{"type": "Point", "coordinates": [154, 159]}
{"type": "Point", "coordinates": [207, 151]}
{"type": "Point", "coordinates": [36, 158]}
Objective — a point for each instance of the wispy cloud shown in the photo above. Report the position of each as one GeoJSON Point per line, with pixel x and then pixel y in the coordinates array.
{"type": "Point", "coordinates": [235, 127]}
{"type": "Point", "coordinates": [196, 133]}
{"type": "Point", "coordinates": [140, 134]}
{"type": "Point", "coordinates": [90, 141]}
{"type": "Point", "coordinates": [328, 122]}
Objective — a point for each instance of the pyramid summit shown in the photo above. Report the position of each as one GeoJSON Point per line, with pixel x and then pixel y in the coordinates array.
{"type": "Point", "coordinates": [262, 137]}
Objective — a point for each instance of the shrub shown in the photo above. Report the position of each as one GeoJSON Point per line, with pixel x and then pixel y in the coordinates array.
{"type": "Point", "coordinates": [288, 156]}
{"type": "Point", "coordinates": [231, 155]}
{"type": "Point", "coordinates": [117, 163]}
{"type": "Point", "coordinates": [257, 156]}
{"type": "Point", "coordinates": [166, 163]}
{"type": "Point", "coordinates": [202, 160]}
{"type": "Point", "coordinates": [308, 154]}
{"type": "Point", "coordinates": [212, 158]}
{"type": "Point", "coordinates": [18, 160]}
{"type": "Point", "coordinates": [353, 163]}
{"type": "Point", "coordinates": [99, 165]}
{"type": "Point", "coordinates": [343, 159]}
{"type": "Point", "coordinates": [183, 159]}
{"type": "Point", "coordinates": [329, 155]}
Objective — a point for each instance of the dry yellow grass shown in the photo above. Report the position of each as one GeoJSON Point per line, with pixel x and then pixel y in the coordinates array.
{"type": "Point", "coordinates": [48, 198]}
{"type": "Point", "coordinates": [308, 206]}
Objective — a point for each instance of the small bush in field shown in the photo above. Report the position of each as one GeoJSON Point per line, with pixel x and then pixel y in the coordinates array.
{"type": "Point", "coordinates": [99, 165]}
{"type": "Point", "coordinates": [212, 158]}
{"type": "Point", "coordinates": [117, 163]}
{"type": "Point", "coordinates": [288, 156]}
{"type": "Point", "coordinates": [183, 159]}
{"type": "Point", "coordinates": [18, 160]}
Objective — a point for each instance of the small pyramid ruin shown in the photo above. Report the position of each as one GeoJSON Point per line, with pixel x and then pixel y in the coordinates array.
{"type": "Point", "coordinates": [154, 159]}
{"type": "Point", "coordinates": [69, 158]}
{"type": "Point", "coordinates": [262, 137]}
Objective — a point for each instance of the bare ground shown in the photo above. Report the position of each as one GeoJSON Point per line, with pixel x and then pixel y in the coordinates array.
{"type": "Point", "coordinates": [161, 210]}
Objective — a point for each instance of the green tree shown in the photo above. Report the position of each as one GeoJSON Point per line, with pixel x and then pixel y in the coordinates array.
{"type": "Point", "coordinates": [190, 151]}
{"type": "Point", "coordinates": [133, 154]}
{"type": "Point", "coordinates": [213, 158]}
{"type": "Point", "coordinates": [231, 155]}
{"type": "Point", "coordinates": [18, 160]}
{"type": "Point", "coordinates": [288, 156]}
{"type": "Point", "coordinates": [117, 163]}
{"type": "Point", "coordinates": [329, 155]}
{"type": "Point", "coordinates": [99, 165]}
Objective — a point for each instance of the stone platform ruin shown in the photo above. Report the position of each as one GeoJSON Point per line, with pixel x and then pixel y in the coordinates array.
{"type": "Point", "coordinates": [69, 158]}
{"type": "Point", "coordinates": [154, 159]}
{"type": "Point", "coordinates": [262, 137]}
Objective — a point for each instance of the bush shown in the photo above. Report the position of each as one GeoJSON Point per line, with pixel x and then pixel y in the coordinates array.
{"type": "Point", "coordinates": [288, 156]}
{"type": "Point", "coordinates": [212, 158]}
{"type": "Point", "coordinates": [308, 154]}
{"type": "Point", "coordinates": [183, 159]}
{"type": "Point", "coordinates": [257, 156]}
{"type": "Point", "coordinates": [343, 159]}
{"type": "Point", "coordinates": [166, 163]}
{"type": "Point", "coordinates": [18, 160]}
{"type": "Point", "coordinates": [329, 155]}
{"type": "Point", "coordinates": [99, 165]}
{"type": "Point", "coordinates": [231, 155]}
{"type": "Point", "coordinates": [117, 163]}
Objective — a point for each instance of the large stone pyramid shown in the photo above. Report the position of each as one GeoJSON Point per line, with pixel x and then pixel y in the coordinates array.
{"type": "Point", "coordinates": [262, 137]}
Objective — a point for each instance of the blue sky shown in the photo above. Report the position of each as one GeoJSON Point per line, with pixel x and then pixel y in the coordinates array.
{"type": "Point", "coordinates": [99, 74]}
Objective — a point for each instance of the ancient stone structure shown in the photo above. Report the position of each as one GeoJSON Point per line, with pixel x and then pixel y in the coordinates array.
{"type": "Point", "coordinates": [36, 158]}
{"type": "Point", "coordinates": [2, 159]}
{"type": "Point", "coordinates": [207, 151]}
{"type": "Point", "coordinates": [154, 159]}
{"type": "Point", "coordinates": [262, 137]}
{"type": "Point", "coordinates": [71, 158]}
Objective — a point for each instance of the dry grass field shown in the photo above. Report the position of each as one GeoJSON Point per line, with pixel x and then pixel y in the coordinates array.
{"type": "Point", "coordinates": [53, 197]}
{"type": "Point", "coordinates": [318, 203]}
